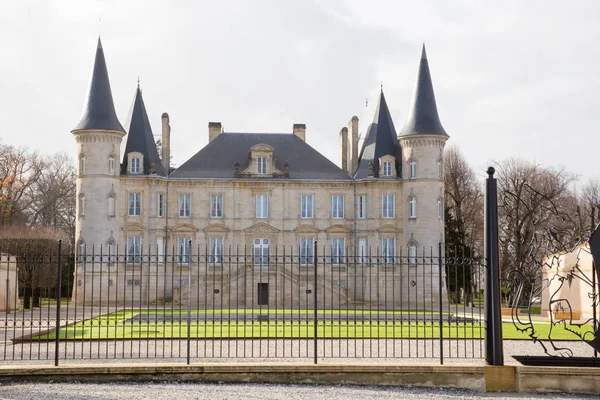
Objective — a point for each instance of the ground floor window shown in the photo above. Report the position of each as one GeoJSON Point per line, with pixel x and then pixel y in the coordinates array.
{"type": "Point", "coordinates": [134, 250]}
{"type": "Point", "coordinates": [261, 251]}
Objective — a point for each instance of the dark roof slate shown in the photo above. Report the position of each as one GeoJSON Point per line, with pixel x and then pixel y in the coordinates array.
{"type": "Point", "coordinates": [423, 118]}
{"type": "Point", "coordinates": [380, 140]}
{"type": "Point", "coordinates": [140, 137]}
{"type": "Point", "coordinates": [99, 109]}
{"type": "Point", "coordinates": [217, 159]}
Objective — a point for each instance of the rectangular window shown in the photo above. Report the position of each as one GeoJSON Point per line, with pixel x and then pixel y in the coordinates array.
{"type": "Point", "coordinates": [387, 168]}
{"type": "Point", "coordinates": [262, 206]}
{"type": "Point", "coordinates": [183, 250]}
{"type": "Point", "coordinates": [362, 206]}
{"type": "Point", "coordinates": [413, 168]}
{"type": "Point", "coordinates": [216, 206]}
{"type": "Point", "coordinates": [185, 202]}
{"type": "Point", "coordinates": [306, 206]}
{"type": "Point", "coordinates": [412, 254]}
{"type": "Point", "coordinates": [307, 252]}
{"type": "Point", "coordinates": [134, 250]}
{"type": "Point", "coordinates": [388, 250]}
{"type": "Point", "coordinates": [261, 252]}
{"type": "Point", "coordinates": [337, 251]}
{"type": "Point", "coordinates": [81, 205]}
{"type": "Point", "coordinates": [82, 164]}
{"type": "Point", "coordinates": [135, 204]}
{"type": "Point", "coordinates": [387, 206]}
{"type": "Point", "coordinates": [362, 251]}
{"type": "Point", "coordinates": [111, 206]}
{"type": "Point", "coordinates": [111, 165]}
{"type": "Point", "coordinates": [160, 249]}
{"type": "Point", "coordinates": [135, 165]}
{"type": "Point", "coordinates": [262, 165]}
{"type": "Point", "coordinates": [337, 206]}
{"type": "Point", "coordinates": [216, 251]}
{"type": "Point", "coordinates": [160, 207]}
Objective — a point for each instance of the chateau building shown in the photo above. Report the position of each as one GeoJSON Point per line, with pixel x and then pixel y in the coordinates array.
{"type": "Point", "coordinates": [256, 194]}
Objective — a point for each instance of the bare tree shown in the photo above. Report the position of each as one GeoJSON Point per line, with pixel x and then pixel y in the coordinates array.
{"type": "Point", "coordinates": [590, 203]}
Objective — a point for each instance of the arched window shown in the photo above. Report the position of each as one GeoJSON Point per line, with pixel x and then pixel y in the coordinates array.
{"type": "Point", "coordinates": [413, 207]}
{"type": "Point", "coordinates": [440, 208]}
{"type": "Point", "coordinates": [81, 204]}
{"type": "Point", "coordinates": [111, 205]}
{"type": "Point", "coordinates": [81, 164]}
{"type": "Point", "coordinates": [81, 251]}
{"type": "Point", "coordinates": [111, 164]}
{"type": "Point", "coordinates": [412, 252]}
{"type": "Point", "coordinates": [413, 168]}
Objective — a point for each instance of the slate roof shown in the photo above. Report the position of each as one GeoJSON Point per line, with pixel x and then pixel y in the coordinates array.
{"type": "Point", "coordinates": [423, 118]}
{"type": "Point", "coordinates": [140, 138]}
{"type": "Point", "coordinates": [217, 159]}
{"type": "Point", "coordinates": [380, 140]}
{"type": "Point", "coordinates": [99, 109]}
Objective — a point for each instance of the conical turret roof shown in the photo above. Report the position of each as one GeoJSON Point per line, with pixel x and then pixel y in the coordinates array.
{"type": "Point", "coordinates": [423, 118]}
{"type": "Point", "coordinates": [99, 109]}
{"type": "Point", "coordinates": [140, 138]}
{"type": "Point", "coordinates": [380, 140]}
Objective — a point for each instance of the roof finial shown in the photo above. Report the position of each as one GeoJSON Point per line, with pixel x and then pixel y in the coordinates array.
{"type": "Point", "coordinates": [99, 31]}
{"type": "Point", "coordinates": [367, 102]}
{"type": "Point", "coordinates": [381, 86]}
{"type": "Point", "coordinates": [138, 81]}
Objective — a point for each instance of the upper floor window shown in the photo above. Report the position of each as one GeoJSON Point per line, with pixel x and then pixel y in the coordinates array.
{"type": "Point", "coordinates": [135, 165]}
{"type": "Point", "coordinates": [183, 250]}
{"type": "Point", "coordinates": [111, 165]}
{"type": "Point", "coordinates": [81, 204]}
{"type": "Point", "coordinates": [135, 204]}
{"type": "Point", "coordinates": [82, 164]}
{"type": "Point", "coordinates": [337, 206]}
{"type": "Point", "coordinates": [388, 203]}
{"type": "Point", "coordinates": [413, 207]}
{"type": "Point", "coordinates": [185, 203]}
{"type": "Point", "coordinates": [160, 206]}
{"type": "Point", "coordinates": [262, 206]}
{"type": "Point", "coordinates": [440, 208]}
{"type": "Point", "coordinates": [111, 205]}
{"type": "Point", "coordinates": [262, 165]}
{"type": "Point", "coordinates": [413, 168]}
{"type": "Point", "coordinates": [440, 169]}
{"type": "Point", "coordinates": [215, 251]}
{"type": "Point", "coordinates": [362, 206]}
{"type": "Point", "coordinates": [387, 168]}
{"type": "Point", "coordinates": [216, 205]}
{"type": "Point", "coordinates": [306, 206]}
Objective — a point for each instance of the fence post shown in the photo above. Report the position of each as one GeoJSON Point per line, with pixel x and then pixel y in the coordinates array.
{"type": "Point", "coordinates": [189, 301]}
{"type": "Point", "coordinates": [441, 303]}
{"type": "Point", "coordinates": [315, 338]}
{"type": "Point", "coordinates": [494, 353]}
{"type": "Point", "coordinates": [58, 298]}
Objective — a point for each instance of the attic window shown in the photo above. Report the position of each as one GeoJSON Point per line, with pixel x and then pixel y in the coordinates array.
{"type": "Point", "coordinates": [387, 168]}
{"type": "Point", "coordinates": [262, 165]}
{"type": "Point", "coordinates": [135, 165]}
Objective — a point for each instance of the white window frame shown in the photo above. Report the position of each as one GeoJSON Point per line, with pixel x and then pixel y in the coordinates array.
{"type": "Point", "coordinates": [412, 207]}
{"type": "Point", "coordinates": [216, 205]}
{"type": "Point", "coordinates": [261, 165]}
{"type": "Point", "coordinates": [184, 205]}
{"type": "Point", "coordinates": [388, 250]}
{"type": "Point", "coordinates": [262, 206]}
{"type": "Point", "coordinates": [362, 206]}
{"type": "Point", "coordinates": [134, 250]}
{"type": "Point", "coordinates": [387, 168]}
{"type": "Point", "coordinates": [363, 252]}
{"type": "Point", "coordinates": [183, 250]}
{"type": "Point", "coordinates": [160, 249]}
{"type": "Point", "coordinates": [260, 252]}
{"type": "Point", "coordinates": [216, 246]}
{"type": "Point", "coordinates": [135, 165]}
{"type": "Point", "coordinates": [134, 204]}
{"type": "Point", "coordinates": [160, 205]}
{"type": "Point", "coordinates": [338, 249]}
{"type": "Point", "coordinates": [307, 206]}
{"type": "Point", "coordinates": [111, 205]}
{"type": "Point", "coordinates": [413, 168]}
{"type": "Point", "coordinates": [337, 206]}
{"type": "Point", "coordinates": [388, 206]}
{"type": "Point", "coordinates": [307, 251]}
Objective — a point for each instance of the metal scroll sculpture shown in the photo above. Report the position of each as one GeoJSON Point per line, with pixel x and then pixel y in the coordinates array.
{"type": "Point", "coordinates": [536, 238]}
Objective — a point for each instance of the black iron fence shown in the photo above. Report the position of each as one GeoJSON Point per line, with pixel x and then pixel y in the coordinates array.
{"type": "Point", "coordinates": [198, 303]}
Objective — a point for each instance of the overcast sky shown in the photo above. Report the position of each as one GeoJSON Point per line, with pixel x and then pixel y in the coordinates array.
{"type": "Point", "coordinates": [511, 78]}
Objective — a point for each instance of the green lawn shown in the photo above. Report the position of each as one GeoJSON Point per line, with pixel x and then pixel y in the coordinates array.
{"type": "Point", "coordinates": [114, 327]}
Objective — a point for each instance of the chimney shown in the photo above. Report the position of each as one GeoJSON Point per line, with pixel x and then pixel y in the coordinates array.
{"type": "Point", "coordinates": [214, 129]}
{"type": "Point", "coordinates": [166, 142]}
{"type": "Point", "coordinates": [344, 149]}
{"type": "Point", "coordinates": [300, 131]}
{"type": "Point", "coordinates": [352, 144]}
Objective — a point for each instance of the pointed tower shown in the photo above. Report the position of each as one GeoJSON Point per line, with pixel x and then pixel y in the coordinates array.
{"type": "Point", "coordinates": [423, 139]}
{"type": "Point", "coordinates": [380, 144]}
{"type": "Point", "coordinates": [98, 136]}
{"type": "Point", "coordinates": [140, 156]}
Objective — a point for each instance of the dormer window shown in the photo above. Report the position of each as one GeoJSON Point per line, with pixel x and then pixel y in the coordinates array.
{"type": "Point", "coordinates": [262, 165]}
{"type": "Point", "coordinates": [135, 165]}
{"type": "Point", "coordinates": [387, 168]}
{"type": "Point", "coordinates": [413, 168]}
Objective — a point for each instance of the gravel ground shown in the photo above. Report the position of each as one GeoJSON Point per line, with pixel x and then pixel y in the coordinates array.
{"type": "Point", "coordinates": [159, 391]}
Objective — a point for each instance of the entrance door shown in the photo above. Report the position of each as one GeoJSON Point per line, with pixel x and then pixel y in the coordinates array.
{"type": "Point", "coordinates": [263, 294]}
